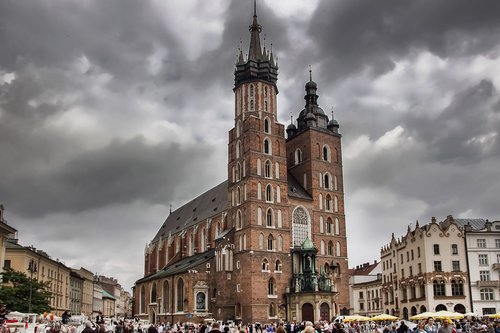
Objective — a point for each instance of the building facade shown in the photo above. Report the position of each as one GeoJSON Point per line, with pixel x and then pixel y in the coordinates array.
{"type": "Point", "coordinates": [6, 232]}
{"type": "Point", "coordinates": [426, 270]}
{"type": "Point", "coordinates": [87, 290]}
{"type": "Point", "coordinates": [269, 243]}
{"type": "Point", "coordinates": [365, 289]}
{"type": "Point", "coordinates": [39, 265]}
{"type": "Point", "coordinates": [483, 250]}
{"type": "Point", "coordinates": [76, 292]}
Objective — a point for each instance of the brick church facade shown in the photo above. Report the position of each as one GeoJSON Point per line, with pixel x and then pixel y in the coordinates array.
{"type": "Point", "coordinates": [269, 243]}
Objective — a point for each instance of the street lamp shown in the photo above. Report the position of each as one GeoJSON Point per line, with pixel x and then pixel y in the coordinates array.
{"type": "Point", "coordinates": [32, 269]}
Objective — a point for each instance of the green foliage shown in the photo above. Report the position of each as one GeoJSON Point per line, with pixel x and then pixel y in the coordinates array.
{"type": "Point", "coordinates": [15, 290]}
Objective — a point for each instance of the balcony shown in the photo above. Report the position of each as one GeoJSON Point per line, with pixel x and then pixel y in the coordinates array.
{"type": "Point", "coordinates": [496, 265]}
{"type": "Point", "coordinates": [491, 284]}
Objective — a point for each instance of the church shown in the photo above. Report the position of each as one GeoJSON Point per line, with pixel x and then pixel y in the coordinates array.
{"type": "Point", "coordinates": [269, 243]}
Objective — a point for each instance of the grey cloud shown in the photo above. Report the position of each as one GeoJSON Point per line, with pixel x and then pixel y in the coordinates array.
{"type": "Point", "coordinates": [118, 173]}
{"type": "Point", "coordinates": [353, 36]}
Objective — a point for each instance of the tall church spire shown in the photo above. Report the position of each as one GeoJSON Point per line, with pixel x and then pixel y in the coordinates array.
{"type": "Point", "coordinates": [255, 50]}
{"type": "Point", "coordinates": [257, 66]}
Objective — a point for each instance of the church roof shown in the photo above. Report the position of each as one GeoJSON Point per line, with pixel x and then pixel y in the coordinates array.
{"type": "Point", "coordinates": [208, 204]}
{"type": "Point", "coordinates": [181, 266]}
{"type": "Point", "coordinates": [295, 189]}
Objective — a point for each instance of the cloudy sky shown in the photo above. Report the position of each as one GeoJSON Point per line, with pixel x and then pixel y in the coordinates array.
{"type": "Point", "coordinates": [109, 108]}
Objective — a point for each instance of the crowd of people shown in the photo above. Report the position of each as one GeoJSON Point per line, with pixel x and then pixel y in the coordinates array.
{"type": "Point", "coordinates": [471, 325]}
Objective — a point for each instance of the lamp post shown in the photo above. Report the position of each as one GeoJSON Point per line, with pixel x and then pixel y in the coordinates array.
{"type": "Point", "coordinates": [32, 268]}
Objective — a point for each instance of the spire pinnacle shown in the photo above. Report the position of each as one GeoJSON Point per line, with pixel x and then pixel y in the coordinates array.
{"type": "Point", "coordinates": [291, 117]}
{"type": "Point", "coordinates": [310, 73]}
{"type": "Point", "coordinates": [255, 50]}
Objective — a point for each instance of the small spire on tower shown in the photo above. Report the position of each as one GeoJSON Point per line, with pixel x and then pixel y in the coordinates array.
{"type": "Point", "coordinates": [170, 208]}
{"type": "Point", "coordinates": [291, 117]}
{"type": "Point", "coordinates": [310, 73]}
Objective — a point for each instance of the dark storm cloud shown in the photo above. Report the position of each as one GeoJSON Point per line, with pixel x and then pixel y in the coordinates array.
{"type": "Point", "coordinates": [352, 36]}
{"type": "Point", "coordinates": [465, 131]}
{"type": "Point", "coordinates": [118, 173]}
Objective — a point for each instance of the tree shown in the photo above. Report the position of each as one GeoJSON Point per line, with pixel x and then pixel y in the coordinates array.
{"type": "Point", "coordinates": [15, 290]}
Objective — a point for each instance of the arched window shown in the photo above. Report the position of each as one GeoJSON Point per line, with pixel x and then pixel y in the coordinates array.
{"type": "Point", "coordinates": [280, 220]}
{"type": "Point", "coordinates": [326, 181]}
{"type": "Point", "coordinates": [336, 203]}
{"type": "Point", "coordinates": [278, 266]}
{"type": "Point", "coordinates": [267, 146]}
{"type": "Point", "coordinates": [267, 169]}
{"type": "Point", "coordinates": [238, 149]}
{"type": "Point", "coordinates": [330, 248]}
{"type": "Point", "coordinates": [238, 128]}
{"type": "Point", "coordinates": [301, 228]}
{"type": "Point", "coordinates": [457, 288]}
{"type": "Point", "coordinates": [271, 287]}
{"type": "Point", "coordinates": [326, 153]}
{"type": "Point", "coordinates": [321, 225]}
{"type": "Point", "coordinates": [153, 293]}
{"type": "Point", "coordinates": [277, 170]}
{"type": "Point", "coordinates": [180, 295]}
{"type": "Point", "coordinates": [238, 195]}
{"type": "Point", "coordinates": [239, 223]}
{"type": "Point", "coordinates": [143, 300]}
{"type": "Point", "coordinates": [298, 156]}
{"type": "Point", "coordinates": [203, 240]}
{"type": "Point", "coordinates": [238, 172]}
{"type": "Point", "coordinates": [259, 216]}
{"type": "Point", "coordinates": [258, 167]}
{"type": "Point", "coordinates": [166, 297]}
{"type": "Point", "coordinates": [438, 288]}
{"type": "Point", "coordinates": [269, 193]}
{"type": "Point", "coordinates": [280, 243]}
{"type": "Point", "coordinates": [322, 247]}
{"type": "Point", "coordinates": [259, 191]}
{"type": "Point", "coordinates": [329, 226]}
{"type": "Point", "coordinates": [267, 127]}
{"type": "Point", "coordinates": [261, 242]}
{"type": "Point", "coordinates": [278, 194]}
{"type": "Point", "coordinates": [272, 310]}
{"type": "Point", "coordinates": [252, 105]}
{"type": "Point", "coordinates": [217, 229]}
{"type": "Point", "coordinates": [270, 243]}
{"type": "Point", "coordinates": [337, 226]}
{"type": "Point", "coordinates": [335, 183]}
{"type": "Point", "coordinates": [338, 254]}
{"type": "Point", "coordinates": [265, 105]}
{"type": "Point", "coordinates": [269, 218]}
{"type": "Point", "coordinates": [328, 202]}
{"type": "Point", "coordinates": [265, 265]}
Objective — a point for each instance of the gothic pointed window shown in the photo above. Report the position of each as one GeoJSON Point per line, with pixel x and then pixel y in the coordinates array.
{"type": "Point", "coordinates": [267, 169]}
{"type": "Point", "coordinates": [278, 266]}
{"type": "Point", "coordinates": [270, 243]}
{"type": "Point", "coordinates": [143, 300]}
{"type": "Point", "coordinates": [269, 217]}
{"type": "Point", "coordinates": [326, 153]}
{"type": "Point", "coordinates": [166, 297]}
{"type": "Point", "coordinates": [326, 181]}
{"type": "Point", "coordinates": [298, 156]}
{"type": "Point", "coordinates": [328, 202]}
{"type": "Point", "coordinates": [337, 226]}
{"type": "Point", "coordinates": [265, 265]}
{"type": "Point", "coordinates": [338, 253]}
{"type": "Point", "coordinates": [269, 193]}
{"type": "Point", "coordinates": [301, 227]}
{"type": "Point", "coordinates": [329, 226]}
{"type": "Point", "coordinates": [330, 248]}
{"type": "Point", "coordinates": [261, 242]}
{"type": "Point", "coordinates": [280, 243]}
{"type": "Point", "coordinates": [267, 127]}
{"type": "Point", "coordinates": [267, 146]}
{"type": "Point", "coordinates": [180, 295]}
{"type": "Point", "coordinates": [271, 287]}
